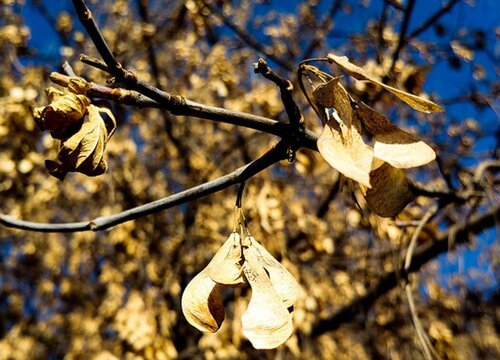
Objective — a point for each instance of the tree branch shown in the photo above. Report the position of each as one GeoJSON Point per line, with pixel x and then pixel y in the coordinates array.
{"type": "Point", "coordinates": [241, 174]}
{"type": "Point", "coordinates": [178, 105]}
{"type": "Point", "coordinates": [390, 280]}
{"type": "Point", "coordinates": [286, 91]}
{"type": "Point", "coordinates": [433, 19]}
{"type": "Point", "coordinates": [402, 37]}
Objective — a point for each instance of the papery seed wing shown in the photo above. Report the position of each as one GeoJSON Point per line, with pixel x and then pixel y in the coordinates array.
{"type": "Point", "coordinates": [282, 280]}
{"type": "Point", "coordinates": [358, 73]}
{"type": "Point", "coordinates": [392, 144]}
{"type": "Point", "coordinates": [352, 159]}
{"type": "Point", "coordinates": [266, 322]}
{"type": "Point", "coordinates": [225, 266]}
{"type": "Point", "coordinates": [390, 192]}
{"type": "Point", "coordinates": [202, 304]}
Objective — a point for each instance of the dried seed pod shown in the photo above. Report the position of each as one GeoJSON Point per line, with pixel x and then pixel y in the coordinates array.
{"type": "Point", "coordinates": [283, 282]}
{"type": "Point", "coordinates": [225, 266]}
{"type": "Point", "coordinates": [202, 304]}
{"type": "Point", "coordinates": [266, 322]}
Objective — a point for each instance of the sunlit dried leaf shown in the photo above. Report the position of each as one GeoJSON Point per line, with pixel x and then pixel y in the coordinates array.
{"type": "Point", "coordinates": [84, 151]}
{"type": "Point", "coordinates": [390, 192]}
{"type": "Point", "coordinates": [392, 144]}
{"type": "Point", "coordinates": [266, 322]}
{"type": "Point", "coordinates": [225, 266]}
{"type": "Point", "coordinates": [65, 110]}
{"type": "Point", "coordinates": [78, 85]}
{"type": "Point", "coordinates": [351, 157]}
{"type": "Point", "coordinates": [202, 304]}
{"type": "Point", "coordinates": [282, 281]}
{"type": "Point", "coordinates": [358, 73]}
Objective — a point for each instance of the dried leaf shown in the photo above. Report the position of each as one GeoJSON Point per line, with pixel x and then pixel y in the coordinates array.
{"type": "Point", "coordinates": [392, 144]}
{"type": "Point", "coordinates": [225, 266]}
{"type": "Point", "coordinates": [65, 110]}
{"type": "Point", "coordinates": [351, 157]}
{"type": "Point", "coordinates": [358, 73]}
{"type": "Point", "coordinates": [390, 192]}
{"type": "Point", "coordinates": [282, 281]}
{"type": "Point", "coordinates": [202, 304]}
{"type": "Point", "coordinates": [84, 151]}
{"type": "Point", "coordinates": [266, 322]}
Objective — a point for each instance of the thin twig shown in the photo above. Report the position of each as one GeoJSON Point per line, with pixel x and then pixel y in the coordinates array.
{"type": "Point", "coordinates": [402, 38]}
{"type": "Point", "coordinates": [423, 339]}
{"type": "Point", "coordinates": [433, 18]}
{"type": "Point", "coordinates": [274, 155]}
{"type": "Point", "coordinates": [413, 242]}
{"type": "Point", "coordinates": [88, 22]}
{"type": "Point", "coordinates": [323, 29]}
{"type": "Point", "coordinates": [286, 91]}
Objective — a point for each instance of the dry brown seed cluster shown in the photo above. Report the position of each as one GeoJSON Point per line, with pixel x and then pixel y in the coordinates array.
{"type": "Point", "coordinates": [267, 322]}
{"type": "Point", "coordinates": [378, 169]}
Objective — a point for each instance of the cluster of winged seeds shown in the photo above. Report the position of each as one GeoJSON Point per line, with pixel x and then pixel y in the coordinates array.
{"type": "Point", "coordinates": [241, 260]}
{"type": "Point", "coordinates": [378, 169]}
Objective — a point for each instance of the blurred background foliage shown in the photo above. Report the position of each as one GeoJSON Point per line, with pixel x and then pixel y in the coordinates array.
{"type": "Point", "coordinates": [116, 294]}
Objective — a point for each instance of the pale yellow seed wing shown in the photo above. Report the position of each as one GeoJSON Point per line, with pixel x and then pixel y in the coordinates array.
{"type": "Point", "coordinates": [281, 279]}
{"type": "Point", "coordinates": [266, 322]}
{"type": "Point", "coordinates": [352, 159]}
{"type": "Point", "coordinates": [202, 304]}
{"type": "Point", "coordinates": [225, 266]}
{"type": "Point", "coordinates": [392, 144]}
{"type": "Point", "coordinates": [416, 102]}
{"type": "Point", "coordinates": [390, 192]}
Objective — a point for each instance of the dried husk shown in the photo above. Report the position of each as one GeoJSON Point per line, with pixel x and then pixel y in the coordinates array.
{"type": "Point", "coordinates": [225, 267]}
{"type": "Point", "coordinates": [266, 322]}
{"type": "Point", "coordinates": [281, 279]}
{"type": "Point", "coordinates": [202, 304]}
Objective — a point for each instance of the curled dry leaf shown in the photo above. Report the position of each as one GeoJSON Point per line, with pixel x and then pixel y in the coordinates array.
{"type": "Point", "coordinates": [266, 322]}
{"type": "Point", "coordinates": [390, 192]}
{"type": "Point", "coordinates": [64, 113]}
{"type": "Point", "coordinates": [225, 266]}
{"type": "Point", "coordinates": [282, 281]}
{"type": "Point", "coordinates": [202, 304]}
{"type": "Point", "coordinates": [392, 144]}
{"type": "Point", "coordinates": [84, 151]}
{"type": "Point", "coordinates": [358, 73]}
